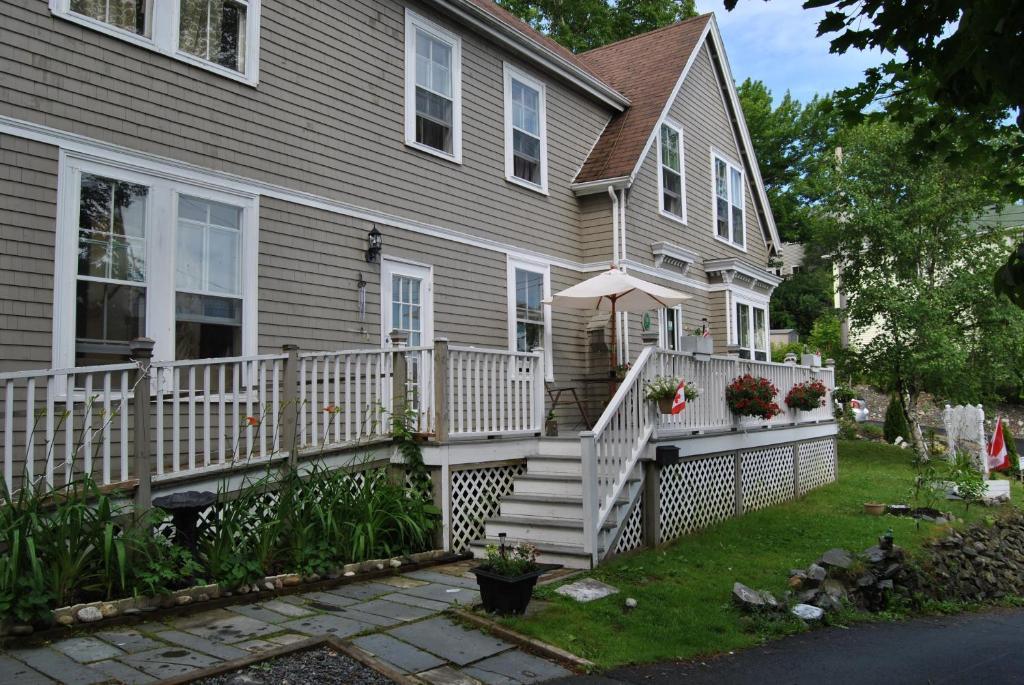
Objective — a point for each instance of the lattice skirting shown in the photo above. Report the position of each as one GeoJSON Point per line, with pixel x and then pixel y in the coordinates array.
{"type": "Point", "coordinates": [633, 533]}
{"type": "Point", "coordinates": [818, 464]}
{"type": "Point", "coordinates": [475, 496]}
{"type": "Point", "coordinates": [696, 493]}
{"type": "Point", "coordinates": [767, 476]}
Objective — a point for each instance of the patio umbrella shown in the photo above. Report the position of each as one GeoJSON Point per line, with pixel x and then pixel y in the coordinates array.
{"type": "Point", "coordinates": [615, 290]}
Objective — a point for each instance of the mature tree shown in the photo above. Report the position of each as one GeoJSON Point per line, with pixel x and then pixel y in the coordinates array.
{"type": "Point", "coordinates": [915, 264]}
{"type": "Point", "coordinates": [587, 24]}
{"type": "Point", "coordinates": [802, 299]}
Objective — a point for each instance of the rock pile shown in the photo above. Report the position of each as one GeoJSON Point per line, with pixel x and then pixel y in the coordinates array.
{"type": "Point", "coordinates": [984, 562]}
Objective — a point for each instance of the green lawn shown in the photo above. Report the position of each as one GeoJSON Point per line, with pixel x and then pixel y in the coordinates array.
{"type": "Point", "coordinates": [683, 589]}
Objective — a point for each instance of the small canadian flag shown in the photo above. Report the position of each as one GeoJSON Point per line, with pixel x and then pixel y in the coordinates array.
{"type": "Point", "coordinates": [998, 456]}
{"type": "Point", "coordinates": [679, 401]}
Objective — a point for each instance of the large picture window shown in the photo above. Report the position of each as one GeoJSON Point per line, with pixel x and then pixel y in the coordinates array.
{"type": "Point", "coordinates": [433, 108]}
{"type": "Point", "coordinates": [525, 130]}
{"type": "Point", "coordinates": [670, 176]}
{"type": "Point", "coordinates": [141, 254]}
{"type": "Point", "coordinates": [218, 35]}
{"type": "Point", "coordinates": [729, 202]}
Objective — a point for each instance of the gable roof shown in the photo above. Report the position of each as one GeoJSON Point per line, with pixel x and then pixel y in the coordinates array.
{"type": "Point", "coordinates": [646, 69]}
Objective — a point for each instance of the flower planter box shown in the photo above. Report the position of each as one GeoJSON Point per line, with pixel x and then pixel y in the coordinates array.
{"type": "Point", "coordinates": [811, 360]}
{"type": "Point", "coordinates": [697, 344]}
{"type": "Point", "coordinates": [508, 595]}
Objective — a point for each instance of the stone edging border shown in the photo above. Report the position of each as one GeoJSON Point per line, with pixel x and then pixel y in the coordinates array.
{"type": "Point", "coordinates": [377, 568]}
{"type": "Point", "coordinates": [530, 644]}
{"type": "Point", "coordinates": [286, 650]}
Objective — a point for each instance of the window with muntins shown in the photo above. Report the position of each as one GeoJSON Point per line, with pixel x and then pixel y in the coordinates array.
{"type": "Point", "coordinates": [218, 35]}
{"type": "Point", "coordinates": [673, 201]}
{"type": "Point", "coordinates": [752, 331]}
{"type": "Point", "coordinates": [525, 130]}
{"type": "Point", "coordinates": [433, 69]}
{"type": "Point", "coordinates": [729, 203]}
{"type": "Point", "coordinates": [529, 310]}
{"type": "Point", "coordinates": [407, 307]}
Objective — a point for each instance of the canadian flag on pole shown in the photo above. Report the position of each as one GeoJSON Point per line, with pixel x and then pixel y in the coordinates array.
{"type": "Point", "coordinates": [679, 401]}
{"type": "Point", "coordinates": [998, 457]}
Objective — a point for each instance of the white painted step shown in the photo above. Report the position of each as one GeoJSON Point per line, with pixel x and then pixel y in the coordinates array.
{"type": "Point", "coordinates": [538, 529]}
{"type": "Point", "coordinates": [548, 484]}
{"type": "Point", "coordinates": [569, 556]}
{"type": "Point", "coordinates": [545, 506]}
{"type": "Point", "coordinates": [560, 447]}
{"type": "Point", "coordinates": [554, 465]}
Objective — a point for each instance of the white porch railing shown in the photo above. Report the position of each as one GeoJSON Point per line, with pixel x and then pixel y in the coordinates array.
{"type": "Point", "coordinates": [494, 392]}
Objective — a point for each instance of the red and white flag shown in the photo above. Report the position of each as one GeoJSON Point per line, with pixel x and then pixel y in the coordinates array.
{"type": "Point", "coordinates": [679, 401]}
{"type": "Point", "coordinates": [998, 456]}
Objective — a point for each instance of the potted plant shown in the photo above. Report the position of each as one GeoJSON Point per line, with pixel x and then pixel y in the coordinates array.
{"type": "Point", "coordinates": [620, 372]}
{"type": "Point", "coordinates": [551, 425]}
{"type": "Point", "coordinates": [663, 391]}
{"type": "Point", "coordinates": [749, 396]}
{"type": "Point", "coordinates": [507, 576]}
{"type": "Point", "coordinates": [810, 359]}
{"type": "Point", "coordinates": [807, 396]}
{"type": "Point", "coordinates": [697, 343]}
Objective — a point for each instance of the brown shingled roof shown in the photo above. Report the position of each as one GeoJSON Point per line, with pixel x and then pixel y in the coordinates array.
{"type": "Point", "coordinates": [645, 69]}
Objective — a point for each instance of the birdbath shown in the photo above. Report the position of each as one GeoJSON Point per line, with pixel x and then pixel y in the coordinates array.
{"type": "Point", "coordinates": [184, 508]}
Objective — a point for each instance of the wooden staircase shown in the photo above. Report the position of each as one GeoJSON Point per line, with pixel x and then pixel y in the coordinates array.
{"type": "Point", "coordinates": [546, 508]}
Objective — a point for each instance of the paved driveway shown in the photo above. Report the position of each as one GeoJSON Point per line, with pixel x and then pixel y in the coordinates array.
{"type": "Point", "coordinates": [980, 649]}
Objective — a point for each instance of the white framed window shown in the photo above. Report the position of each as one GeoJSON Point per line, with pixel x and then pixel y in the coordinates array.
{"type": "Point", "coordinates": [144, 253]}
{"type": "Point", "coordinates": [750, 329]}
{"type": "Point", "coordinates": [526, 140]}
{"type": "Point", "coordinates": [670, 327]}
{"type": "Point", "coordinates": [433, 88]}
{"type": "Point", "coordinates": [671, 175]}
{"type": "Point", "coordinates": [529, 319]}
{"type": "Point", "coordinates": [728, 200]}
{"type": "Point", "coordinates": [218, 35]}
{"type": "Point", "coordinates": [407, 299]}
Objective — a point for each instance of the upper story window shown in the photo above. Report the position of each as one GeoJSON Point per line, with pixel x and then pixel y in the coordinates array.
{"type": "Point", "coordinates": [729, 203]}
{"type": "Point", "coordinates": [433, 99]}
{"type": "Point", "coordinates": [670, 178]}
{"type": "Point", "coordinates": [751, 331]}
{"type": "Point", "coordinates": [525, 130]}
{"type": "Point", "coordinates": [218, 35]}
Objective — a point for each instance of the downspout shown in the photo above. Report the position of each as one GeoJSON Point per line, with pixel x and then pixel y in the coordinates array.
{"type": "Point", "coordinates": [624, 330]}
{"type": "Point", "coordinates": [615, 224]}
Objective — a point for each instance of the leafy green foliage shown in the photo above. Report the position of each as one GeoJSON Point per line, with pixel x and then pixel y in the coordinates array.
{"type": "Point", "coordinates": [581, 25]}
{"type": "Point", "coordinates": [895, 425]}
{"type": "Point", "coordinates": [1009, 278]}
{"type": "Point", "coordinates": [966, 477]}
{"type": "Point", "coordinates": [802, 299]}
{"type": "Point", "coordinates": [510, 560]}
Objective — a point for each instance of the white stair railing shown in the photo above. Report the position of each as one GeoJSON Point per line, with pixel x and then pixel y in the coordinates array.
{"type": "Point", "coordinates": [612, 448]}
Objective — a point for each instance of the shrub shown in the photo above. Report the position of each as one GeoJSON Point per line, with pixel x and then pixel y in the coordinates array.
{"type": "Point", "coordinates": [843, 394]}
{"type": "Point", "coordinates": [1011, 446]}
{"type": "Point", "coordinates": [807, 396]}
{"type": "Point", "coordinates": [749, 396]}
{"type": "Point", "coordinates": [896, 425]}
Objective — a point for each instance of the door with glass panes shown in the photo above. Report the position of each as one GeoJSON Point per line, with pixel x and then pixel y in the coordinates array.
{"type": "Point", "coordinates": [407, 299]}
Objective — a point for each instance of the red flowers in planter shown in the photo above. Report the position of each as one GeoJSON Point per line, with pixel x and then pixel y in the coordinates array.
{"type": "Point", "coordinates": [807, 396]}
{"type": "Point", "coordinates": [749, 396]}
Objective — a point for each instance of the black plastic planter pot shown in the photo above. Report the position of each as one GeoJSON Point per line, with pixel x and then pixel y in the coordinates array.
{"type": "Point", "coordinates": [506, 595]}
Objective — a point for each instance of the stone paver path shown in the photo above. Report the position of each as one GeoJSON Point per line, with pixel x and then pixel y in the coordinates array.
{"type": "Point", "coordinates": [394, 619]}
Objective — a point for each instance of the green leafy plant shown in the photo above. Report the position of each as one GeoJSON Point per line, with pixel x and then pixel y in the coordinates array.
{"type": "Point", "coordinates": [510, 560]}
{"type": "Point", "coordinates": [967, 478]}
{"type": "Point", "coordinates": [895, 425]}
{"type": "Point", "coordinates": [664, 387]}
{"type": "Point", "coordinates": [749, 396]}
{"type": "Point", "coordinates": [843, 394]}
{"type": "Point", "coordinates": [807, 396]}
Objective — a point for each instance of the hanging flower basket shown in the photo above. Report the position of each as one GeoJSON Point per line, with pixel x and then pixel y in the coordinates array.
{"type": "Point", "coordinates": [807, 396]}
{"type": "Point", "coordinates": [749, 396]}
{"type": "Point", "coordinates": [663, 391]}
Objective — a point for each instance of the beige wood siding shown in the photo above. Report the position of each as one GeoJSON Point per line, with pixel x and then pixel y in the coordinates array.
{"type": "Point", "coordinates": [327, 116]}
{"type": "Point", "coordinates": [700, 110]}
{"type": "Point", "coordinates": [28, 211]}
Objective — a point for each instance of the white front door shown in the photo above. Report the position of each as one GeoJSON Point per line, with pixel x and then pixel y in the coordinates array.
{"type": "Point", "coordinates": [407, 302]}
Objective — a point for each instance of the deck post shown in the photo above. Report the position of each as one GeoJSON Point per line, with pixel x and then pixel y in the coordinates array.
{"type": "Point", "coordinates": [399, 375]}
{"type": "Point", "coordinates": [290, 402]}
{"type": "Point", "coordinates": [652, 504]}
{"type": "Point", "coordinates": [142, 353]}
{"type": "Point", "coordinates": [441, 398]}
{"type": "Point", "coordinates": [539, 374]}
{"type": "Point", "coordinates": [588, 464]}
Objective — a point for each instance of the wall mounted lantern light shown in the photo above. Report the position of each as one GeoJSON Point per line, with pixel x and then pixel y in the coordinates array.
{"type": "Point", "coordinates": [374, 240]}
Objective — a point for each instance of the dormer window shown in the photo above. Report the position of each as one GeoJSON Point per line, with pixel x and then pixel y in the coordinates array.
{"type": "Point", "coordinates": [433, 107]}
{"type": "Point", "coordinates": [670, 177]}
{"type": "Point", "coordinates": [729, 202]}
{"type": "Point", "coordinates": [526, 147]}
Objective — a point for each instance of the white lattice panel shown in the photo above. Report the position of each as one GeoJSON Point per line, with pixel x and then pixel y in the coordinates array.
{"type": "Point", "coordinates": [767, 476]}
{"type": "Point", "coordinates": [695, 494]}
{"type": "Point", "coordinates": [418, 484]}
{"type": "Point", "coordinates": [633, 533]}
{"type": "Point", "coordinates": [817, 464]}
{"type": "Point", "coordinates": [475, 496]}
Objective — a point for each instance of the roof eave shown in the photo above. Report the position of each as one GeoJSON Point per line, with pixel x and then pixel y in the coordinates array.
{"type": "Point", "coordinates": [520, 43]}
{"type": "Point", "coordinates": [600, 185]}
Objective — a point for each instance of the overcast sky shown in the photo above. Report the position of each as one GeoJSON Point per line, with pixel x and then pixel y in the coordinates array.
{"type": "Point", "coordinates": [776, 42]}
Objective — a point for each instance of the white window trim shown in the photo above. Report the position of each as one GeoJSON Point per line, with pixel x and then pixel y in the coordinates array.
{"type": "Point", "coordinates": [730, 164]}
{"type": "Point", "coordinates": [752, 304]}
{"type": "Point", "coordinates": [164, 39]}
{"type": "Point", "coordinates": [414, 21]}
{"type": "Point", "coordinates": [545, 271]}
{"type": "Point", "coordinates": [161, 240]}
{"type": "Point", "coordinates": [682, 174]}
{"type": "Point", "coordinates": [395, 266]}
{"type": "Point", "coordinates": [512, 72]}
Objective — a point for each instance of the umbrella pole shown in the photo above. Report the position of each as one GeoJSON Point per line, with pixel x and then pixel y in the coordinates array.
{"type": "Point", "coordinates": [615, 332]}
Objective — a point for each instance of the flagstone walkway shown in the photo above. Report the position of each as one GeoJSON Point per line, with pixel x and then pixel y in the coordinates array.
{"type": "Point", "coordinates": [395, 619]}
